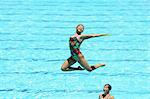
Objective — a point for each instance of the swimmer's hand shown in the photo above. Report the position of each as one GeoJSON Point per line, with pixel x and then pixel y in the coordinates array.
{"type": "Point", "coordinates": [105, 34]}
{"type": "Point", "coordinates": [87, 36]}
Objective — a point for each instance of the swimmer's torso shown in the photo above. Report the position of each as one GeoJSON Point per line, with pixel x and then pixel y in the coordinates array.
{"type": "Point", "coordinates": [75, 41]}
{"type": "Point", "coordinates": [74, 44]}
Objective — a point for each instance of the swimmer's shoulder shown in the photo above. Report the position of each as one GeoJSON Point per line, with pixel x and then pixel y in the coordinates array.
{"type": "Point", "coordinates": [73, 36]}
{"type": "Point", "coordinates": [111, 97]}
{"type": "Point", "coordinates": [100, 96]}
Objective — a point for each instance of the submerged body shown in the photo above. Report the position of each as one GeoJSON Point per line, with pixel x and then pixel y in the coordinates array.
{"type": "Point", "coordinates": [106, 94]}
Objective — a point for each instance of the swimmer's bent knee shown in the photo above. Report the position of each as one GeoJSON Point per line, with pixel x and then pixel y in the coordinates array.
{"type": "Point", "coordinates": [92, 68]}
{"type": "Point", "coordinates": [89, 70]}
{"type": "Point", "coordinates": [63, 69]}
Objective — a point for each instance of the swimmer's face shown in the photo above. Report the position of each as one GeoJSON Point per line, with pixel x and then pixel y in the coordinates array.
{"type": "Point", "coordinates": [106, 89]}
{"type": "Point", "coordinates": [80, 28]}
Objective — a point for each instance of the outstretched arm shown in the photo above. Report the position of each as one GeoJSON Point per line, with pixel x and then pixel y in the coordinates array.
{"type": "Point", "coordinates": [87, 36]}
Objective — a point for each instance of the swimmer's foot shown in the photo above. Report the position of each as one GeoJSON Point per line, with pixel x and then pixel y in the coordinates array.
{"type": "Point", "coordinates": [97, 66]}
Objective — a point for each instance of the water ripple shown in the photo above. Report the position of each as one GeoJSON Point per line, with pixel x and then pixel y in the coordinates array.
{"type": "Point", "coordinates": [58, 60]}
{"type": "Point", "coordinates": [72, 91]}
{"type": "Point", "coordinates": [49, 40]}
{"type": "Point", "coordinates": [124, 74]}
{"type": "Point", "coordinates": [63, 49]}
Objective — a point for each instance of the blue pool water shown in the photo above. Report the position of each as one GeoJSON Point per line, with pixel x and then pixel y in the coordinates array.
{"type": "Point", "coordinates": [34, 43]}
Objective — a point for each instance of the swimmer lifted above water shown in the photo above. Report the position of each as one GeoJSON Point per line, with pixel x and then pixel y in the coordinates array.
{"type": "Point", "coordinates": [76, 56]}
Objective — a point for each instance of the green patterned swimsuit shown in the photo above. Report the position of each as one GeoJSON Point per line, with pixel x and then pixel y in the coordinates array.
{"type": "Point", "coordinates": [74, 45]}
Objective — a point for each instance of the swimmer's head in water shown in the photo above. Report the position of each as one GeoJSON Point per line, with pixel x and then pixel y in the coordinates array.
{"type": "Point", "coordinates": [79, 28]}
{"type": "Point", "coordinates": [107, 88]}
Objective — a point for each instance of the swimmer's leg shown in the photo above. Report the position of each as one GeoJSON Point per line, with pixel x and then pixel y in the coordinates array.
{"type": "Point", "coordinates": [66, 65]}
{"type": "Point", "coordinates": [84, 63]}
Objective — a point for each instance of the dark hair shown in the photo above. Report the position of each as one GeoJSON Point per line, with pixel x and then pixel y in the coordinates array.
{"type": "Point", "coordinates": [79, 25]}
{"type": "Point", "coordinates": [109, 86]}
